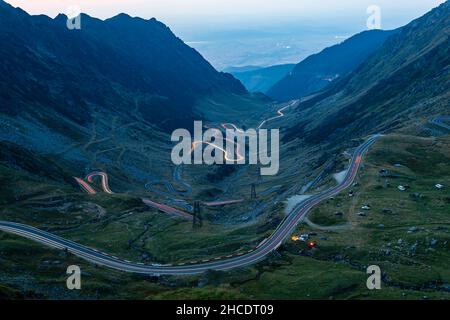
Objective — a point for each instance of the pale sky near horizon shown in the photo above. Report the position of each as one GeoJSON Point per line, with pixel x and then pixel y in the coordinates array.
{"type": "Point", "coordinates": [173, 11]}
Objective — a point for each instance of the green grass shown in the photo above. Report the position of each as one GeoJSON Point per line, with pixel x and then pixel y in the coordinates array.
{"type": "Point", "coordinates": [382, 236]}
{"type": "Point", "coordinates": [335, 270]}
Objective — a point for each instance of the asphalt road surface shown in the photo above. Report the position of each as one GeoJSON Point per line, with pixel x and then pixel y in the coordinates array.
{"type": "Point", "coordinates": [237, 260]}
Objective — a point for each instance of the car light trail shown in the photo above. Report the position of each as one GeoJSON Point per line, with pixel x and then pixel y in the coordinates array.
{"type": "Point", "coordinates": [281, 233]}
{"type": "Point", "coordinates": [104, 176]}
{"type": "Point", "coordinates": [164, 208]}
{"type": "Point", "coordinates": [280, 113]}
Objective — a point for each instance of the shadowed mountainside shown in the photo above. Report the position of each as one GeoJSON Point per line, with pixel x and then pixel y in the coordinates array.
{"type": "Point", "coordinates": [262, 79]}
{"type": "Point", "coordinates": [101, 97]}
{"type": "Point", "coordinates": [109, 65]}
{"type": "Point", "coordinates": [319, 70]}
{"type": "Point", "coordinates": [406, 79]}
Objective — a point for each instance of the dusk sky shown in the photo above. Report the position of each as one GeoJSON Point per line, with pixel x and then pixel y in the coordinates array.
{"type": "Point", "coordinates": [180, 11]}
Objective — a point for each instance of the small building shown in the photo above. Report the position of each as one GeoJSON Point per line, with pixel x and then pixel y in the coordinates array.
{"type": "Point", "coordinates": [439, 186]}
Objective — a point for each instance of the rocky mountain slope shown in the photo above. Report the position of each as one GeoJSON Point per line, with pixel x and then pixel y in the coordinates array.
{"type": "Point", "coordinates": [405, 81]}
{"type": "Point", "coordinates": [102, 97]}
{"type": "Point", "coordinates": [109, 65]}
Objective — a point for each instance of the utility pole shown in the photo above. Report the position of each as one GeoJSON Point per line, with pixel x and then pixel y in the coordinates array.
{"type": "Point", "coordinates": [253, 192]}
{"type": "Point", "coordinates": [197, 219]}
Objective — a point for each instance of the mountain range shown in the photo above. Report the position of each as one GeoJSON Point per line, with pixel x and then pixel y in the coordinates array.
{"type": "Point", "coordinates": [102, 100]}
{"type": "Point", "coordinates": [261, 79]}
{"type": "Point", "coordinates": [109, 65]}
{"type": "Point", "coordinates": [56, 83]}
{"type": "Point", "coordinates": [407, 79]}
{"type": "Point", "coordinates": [319, 70]}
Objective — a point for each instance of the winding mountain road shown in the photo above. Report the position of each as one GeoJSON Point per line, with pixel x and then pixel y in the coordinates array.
{"type": "Point", "coordinates": [280, 113]}
{"type": "Point", "coordinates": [237, 260]}
{"type": "Point", "coordinates": [105, 186]}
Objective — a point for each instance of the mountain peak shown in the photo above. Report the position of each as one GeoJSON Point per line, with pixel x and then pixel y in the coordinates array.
{"type": "Point", "coordinates": [121, 57]}
{"type": "Point", "coordinates": [121, 17]}
{"type": "Point", "coordinates": [6, 7]}
{"type": "Point", "coordinates": [126, 18]}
